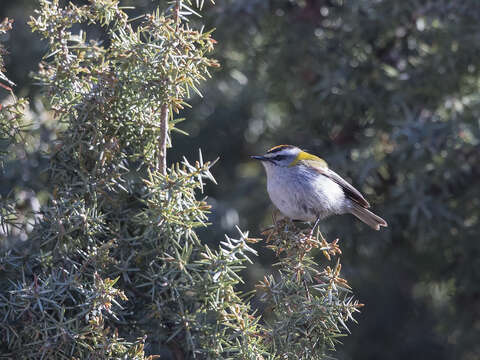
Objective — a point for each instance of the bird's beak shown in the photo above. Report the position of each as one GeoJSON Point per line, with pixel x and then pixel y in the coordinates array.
{"type": "Point", "coordinates": [261, 158]}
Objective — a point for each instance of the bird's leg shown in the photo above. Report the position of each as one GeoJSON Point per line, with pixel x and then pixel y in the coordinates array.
{"type": "Point", "coordinates": [314, 226]}
{"type": "Point", "coordinates": [295, 222]}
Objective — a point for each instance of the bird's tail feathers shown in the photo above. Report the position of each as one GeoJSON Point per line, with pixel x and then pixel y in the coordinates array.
{"type": "Point", "coordinates": [368, 217]}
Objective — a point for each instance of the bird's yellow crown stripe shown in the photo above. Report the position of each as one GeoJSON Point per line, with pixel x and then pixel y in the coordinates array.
{"type": "Point", "coordinates": [279, 147]}
{"type": "Point", "coordinates": [304, 156]}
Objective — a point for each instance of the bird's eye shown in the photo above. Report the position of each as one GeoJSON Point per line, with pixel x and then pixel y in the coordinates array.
{"type": "Point", "coordinates": [279, 157]}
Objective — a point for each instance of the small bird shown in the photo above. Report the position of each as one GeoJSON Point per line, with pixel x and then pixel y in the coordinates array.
{"type": "Point", "coordinates": [303, 188]}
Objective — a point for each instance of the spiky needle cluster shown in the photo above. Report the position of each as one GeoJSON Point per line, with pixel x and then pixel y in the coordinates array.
{"type": "Point", "coordinates": [310, 304]}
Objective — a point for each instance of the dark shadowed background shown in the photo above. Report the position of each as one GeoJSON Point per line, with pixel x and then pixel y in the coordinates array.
{"type": "Point", "coordinates": [388, 93]}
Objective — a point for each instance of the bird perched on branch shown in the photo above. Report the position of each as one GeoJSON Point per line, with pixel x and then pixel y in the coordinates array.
{"type": "Point", "coordinates": [303, 188]}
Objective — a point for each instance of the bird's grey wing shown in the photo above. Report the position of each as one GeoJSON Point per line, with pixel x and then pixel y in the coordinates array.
{"type": "Point", "coordinates": [349, 190]}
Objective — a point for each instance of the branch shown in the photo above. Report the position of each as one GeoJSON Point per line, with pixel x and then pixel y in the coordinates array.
{"type": "Point", "coordinates": [176, 13]}
{"type": "Point", "coordinates": [162, 146]}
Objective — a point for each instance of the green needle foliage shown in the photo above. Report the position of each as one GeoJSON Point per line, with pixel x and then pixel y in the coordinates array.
{"type": "Point", "coordinates": [11, 113]}
{"type": "Point", "coordinates": [113, 267]}
{"type": "Point", "coordinates": [310, 304]}
{"type": "Point", "coordinates": [12, 223]}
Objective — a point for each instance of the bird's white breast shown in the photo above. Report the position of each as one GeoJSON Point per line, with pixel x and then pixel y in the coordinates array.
{"type": "Point", "coordinates": [304, 194]}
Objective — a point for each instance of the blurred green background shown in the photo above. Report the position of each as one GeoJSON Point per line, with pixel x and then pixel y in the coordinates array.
{"type": "Point", "coordinates": [388, 92]}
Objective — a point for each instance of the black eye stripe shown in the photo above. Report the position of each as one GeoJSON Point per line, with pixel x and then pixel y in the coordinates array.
{"type": "Point", "coordinates": [279, 157]}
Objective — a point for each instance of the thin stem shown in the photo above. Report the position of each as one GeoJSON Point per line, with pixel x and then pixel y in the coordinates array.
{"type": "Point", "coordinates": [176, 13]}
{"type": "Point", "coordinates": [162, 146]}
